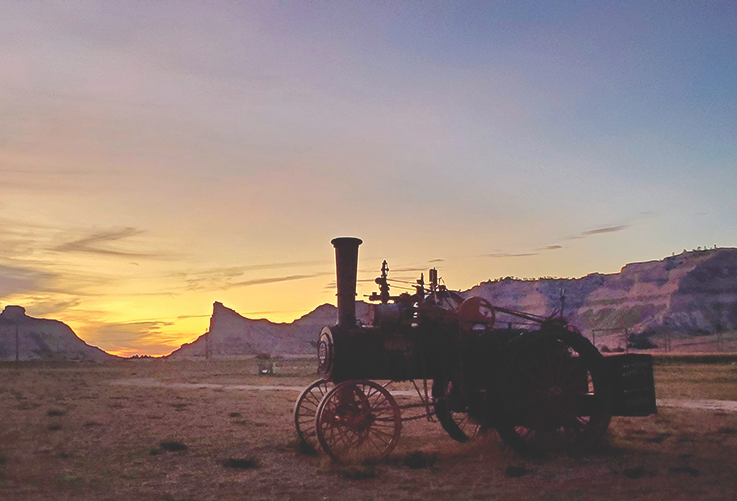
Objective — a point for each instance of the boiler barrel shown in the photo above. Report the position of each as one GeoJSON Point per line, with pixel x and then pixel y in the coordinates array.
{"type": "Point", "coordinates": [373, 353]}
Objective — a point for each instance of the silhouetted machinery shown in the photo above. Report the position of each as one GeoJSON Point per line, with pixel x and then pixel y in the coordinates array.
{"type": "Point", "coordinates": [545, 388]}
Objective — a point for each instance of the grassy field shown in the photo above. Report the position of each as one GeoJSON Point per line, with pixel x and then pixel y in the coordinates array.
{"type": "Point", "coordinates": [69, 432]}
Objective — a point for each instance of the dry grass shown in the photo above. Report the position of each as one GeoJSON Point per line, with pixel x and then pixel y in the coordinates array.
{"type": "Point", "coordinates": [104, 446]}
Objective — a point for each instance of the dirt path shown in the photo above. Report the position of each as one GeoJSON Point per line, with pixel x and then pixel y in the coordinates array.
{"type": "Point", "coordinates": [709, 405]}
{"type": "Point", "coordinates": [714, 405]}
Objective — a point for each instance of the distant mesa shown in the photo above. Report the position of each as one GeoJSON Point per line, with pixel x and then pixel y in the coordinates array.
{"type": "Point", "coordinates": [693, 293]}
{"type": "Point", "coordinates": [234, 336]}
{"type": "Point", "coordinates": [27, 338]}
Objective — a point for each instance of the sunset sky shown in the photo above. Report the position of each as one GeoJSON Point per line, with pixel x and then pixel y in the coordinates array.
{"type": "Point", "coordinates": [158, 156]}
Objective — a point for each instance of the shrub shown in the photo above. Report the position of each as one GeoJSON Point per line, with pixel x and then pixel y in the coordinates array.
{"type": "Point", "coordinates": [240, 463]}
{"type": "Point", "coordinates": [172, 446]}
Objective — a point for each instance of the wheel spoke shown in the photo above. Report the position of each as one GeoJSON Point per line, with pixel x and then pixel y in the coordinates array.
{"type": "Point", "coordinates": [358, 420]}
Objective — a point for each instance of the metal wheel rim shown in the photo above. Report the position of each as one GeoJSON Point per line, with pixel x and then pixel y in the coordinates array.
{"type": "Point", "coordinates": [358, 421]}
{"type": "Point", "coordinates": [305, 410]}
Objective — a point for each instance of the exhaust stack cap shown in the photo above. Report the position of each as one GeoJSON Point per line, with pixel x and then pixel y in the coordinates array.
{"type": "Point", "coordinates": [346, 241]}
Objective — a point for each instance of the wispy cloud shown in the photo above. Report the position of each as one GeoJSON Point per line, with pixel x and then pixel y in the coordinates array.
{"type": "Point", "coordinates": [601, 230]}
{"type": "Point", "coordinates": [126, 333]}
{"type": "Point", "coordinates": [222, 278]}
{"type": "Point", "coordinates": [210, 279]}
{"type": "Point", "coordinates": [49, 307]}
{"type": "Point", "coordinates": [96, 242]}
{"type": "Point", "coordinates": [273, 280]}
{"type": "Point", "coordinates": [19, 239]}
{"type": "Point", "coordinates": [508, 254]}
{"type": "Point", "coordinates": [16, 280]}
{"type": "Point", "coordinates": [436, 260]}
{"type": "Point", "coordinates": [185, 317]}
{"type": "Point", "coordinates": [588, 233]}
{"type": "Point", "coordinates": [277, 266]}
{"type": "Point", "coordinates": [605, 229]}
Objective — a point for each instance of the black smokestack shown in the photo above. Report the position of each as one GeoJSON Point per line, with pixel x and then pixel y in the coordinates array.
{"type": "Point", "coordinates": [346, 267]}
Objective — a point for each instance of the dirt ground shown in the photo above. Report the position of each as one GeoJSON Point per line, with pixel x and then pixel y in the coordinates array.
{"type": "Point", "coordinates": [71, 432]}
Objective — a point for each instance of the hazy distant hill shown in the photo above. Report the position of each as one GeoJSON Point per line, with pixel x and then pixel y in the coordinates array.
{"type": "Point", "coordinates": [692, 293]}
{"type": "Point", "coordinates": [41, 339]}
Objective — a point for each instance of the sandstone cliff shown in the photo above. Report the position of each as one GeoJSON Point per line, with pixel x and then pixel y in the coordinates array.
{"type": "Point", "coordinates": [41, 339]}
{"type": "Point", "coordinates": [232, 335]}
{"type": "Point", "coordinates": [692, 293]}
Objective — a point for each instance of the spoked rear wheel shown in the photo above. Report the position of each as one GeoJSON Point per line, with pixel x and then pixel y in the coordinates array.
{"type": "Point", "coordinates": [358, 421]}
{"type": "Point", "coordinates": [305, 410]}
{"type": "Point", "coordinates": [453, 418]}
{"type": "Point", "coordinates": [556, 396]}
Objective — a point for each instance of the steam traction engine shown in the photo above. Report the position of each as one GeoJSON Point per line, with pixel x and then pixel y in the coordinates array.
{"type": "Point", "coordinates": [545, 389]}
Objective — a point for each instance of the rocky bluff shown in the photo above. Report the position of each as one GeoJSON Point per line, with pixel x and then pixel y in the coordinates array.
{"type": "Point", "coordinates": [232, 335]}
{"type": "Point", "coordinates": [693, 293]}
{"type": "Point", "coordinates": [41, 339]}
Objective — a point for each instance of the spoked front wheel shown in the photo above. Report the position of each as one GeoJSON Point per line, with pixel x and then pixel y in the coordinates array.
{"type": "Point", "coordinates": [305, 410]}
{"type": "Point", "coordinates": [358, 421]}
{"type": "Point", "coordinates": [556, 395]}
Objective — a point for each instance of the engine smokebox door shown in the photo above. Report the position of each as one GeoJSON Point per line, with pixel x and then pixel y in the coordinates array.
{"type": "Point", "coordinates": [632, 384]}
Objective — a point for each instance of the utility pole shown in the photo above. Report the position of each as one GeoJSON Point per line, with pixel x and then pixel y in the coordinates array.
{"type": "Point", "coordinates": [562, 302]}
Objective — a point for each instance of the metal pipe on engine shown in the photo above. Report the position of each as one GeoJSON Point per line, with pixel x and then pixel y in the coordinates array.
{"type": "Point", "coordinates": [346, 269]}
